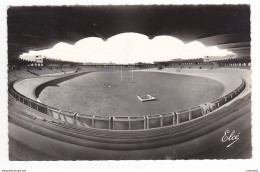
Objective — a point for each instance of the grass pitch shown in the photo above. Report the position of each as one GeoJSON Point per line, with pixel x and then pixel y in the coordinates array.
{"type": "Point", "coordinates": [102, 93]}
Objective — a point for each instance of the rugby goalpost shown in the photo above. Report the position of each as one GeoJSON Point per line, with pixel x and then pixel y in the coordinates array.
{"type": "Point", "coordinates": [142, 98]}
{"type": "Point", "coordinates": [127, 76]}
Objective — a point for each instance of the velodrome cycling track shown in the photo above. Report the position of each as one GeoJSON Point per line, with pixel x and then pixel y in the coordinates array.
{"type": "Point", "coordinates": [46, 138]}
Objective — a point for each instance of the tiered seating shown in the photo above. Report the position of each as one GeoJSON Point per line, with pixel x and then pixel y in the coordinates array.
{"type": "Point", "coordinates": [207, 66]}
{"type": "Point", "coordinates": [44, 70]}
{"type": "Point", "coordinates": [14, 75]}
{"type": "Point", "coordinates": [237, 67]}
{"type": "Point", "coordinates": [38, 71]}
{"type": "Point", "coordinates": [68, 69]}
{"type": "Point", "coordinates": [30, 72]}
{"type": "Point", "coordinates": [197, 66]}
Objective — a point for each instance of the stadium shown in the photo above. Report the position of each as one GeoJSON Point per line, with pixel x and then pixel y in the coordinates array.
{"type": "Point", "coordinates": [178, 108]}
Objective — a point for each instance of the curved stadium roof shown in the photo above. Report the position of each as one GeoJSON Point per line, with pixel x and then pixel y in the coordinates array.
{"type": "Point", "coordinates": [36, 28]}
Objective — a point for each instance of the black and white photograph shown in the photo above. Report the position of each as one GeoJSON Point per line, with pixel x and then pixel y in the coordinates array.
{"type": "Point", "coordinates": [129, 82]}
